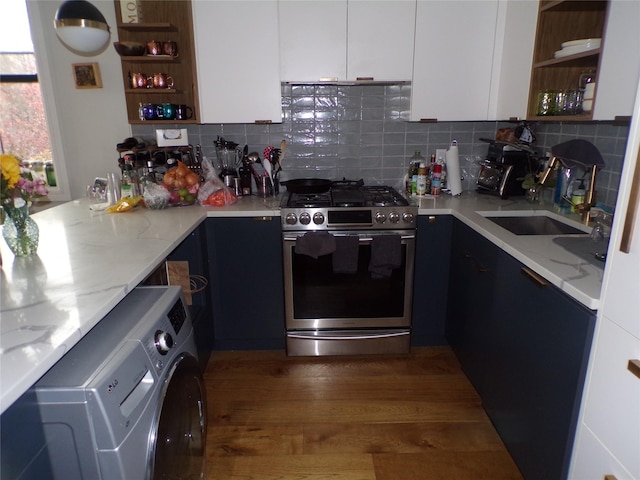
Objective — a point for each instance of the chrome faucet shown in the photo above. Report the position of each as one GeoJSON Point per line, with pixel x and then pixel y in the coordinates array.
{"type": "Point", "coordinates": [576, 153]}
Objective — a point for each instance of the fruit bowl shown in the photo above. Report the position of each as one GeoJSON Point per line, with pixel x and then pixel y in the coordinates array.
{"type": "Point", "coordinates": [130, 49]}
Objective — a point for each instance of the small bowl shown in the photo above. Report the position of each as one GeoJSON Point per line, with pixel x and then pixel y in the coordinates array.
{"type": "Point", "coordinates": [130, 49]}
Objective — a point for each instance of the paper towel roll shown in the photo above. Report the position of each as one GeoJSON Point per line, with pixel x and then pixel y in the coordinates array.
{"type": "Point", "coordinates": [454, 181]}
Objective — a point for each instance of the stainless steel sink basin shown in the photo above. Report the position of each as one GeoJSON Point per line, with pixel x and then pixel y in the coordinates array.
{"type": "Point", "coordinates": [533, 223]}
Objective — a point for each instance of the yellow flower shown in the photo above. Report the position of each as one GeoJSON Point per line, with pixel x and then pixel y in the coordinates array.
{"type": "Point", "coordinates": [10, 168]}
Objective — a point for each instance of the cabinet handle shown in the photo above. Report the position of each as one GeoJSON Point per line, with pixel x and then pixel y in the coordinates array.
{"type": "Point", "coordinates": [537, 279]}
{"type": "Point", "coordinates": [428, 120]}
{"type": "Point", "coordinates": [610, 477]}
{"type": "Point", "coordinates": [479, 268]}
{"type": "Point", "coordinates": [263, 122]}
{"type": "Point", "coordinates": [364, 79]}
{"type": "Point", "coordinates": [634, 367]}
{"type": "Point", "coordinates": [632, 209]}
{"type": "Point", "coordinates": [262, 219]}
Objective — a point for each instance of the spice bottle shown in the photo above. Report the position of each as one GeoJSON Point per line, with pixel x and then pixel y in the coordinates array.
{"type": "Point", "coordinates": [421, 184]}
{"type": "Point", "coordinates": [436, 177]}
{"type": "Point", "coordinates": [415, 161]}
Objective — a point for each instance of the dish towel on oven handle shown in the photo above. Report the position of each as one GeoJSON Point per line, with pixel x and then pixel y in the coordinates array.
{"type": "Point", "coordinates": [386, 254]}
{"type": "Point", "coordinates": [315, 244]}
{"type": "Point", "coordinates": [345, 258]}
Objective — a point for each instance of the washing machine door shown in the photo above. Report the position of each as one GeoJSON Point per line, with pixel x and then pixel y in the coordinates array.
{"type": "Point", "coordinates": [181, 433]}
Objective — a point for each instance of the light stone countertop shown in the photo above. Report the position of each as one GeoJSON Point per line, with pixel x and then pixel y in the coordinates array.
{"type": "Point", "coordinates": [88, 261]}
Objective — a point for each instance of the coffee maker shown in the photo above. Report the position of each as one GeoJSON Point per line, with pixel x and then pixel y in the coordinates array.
{"type": "Point", "coordinates": [504, 169]}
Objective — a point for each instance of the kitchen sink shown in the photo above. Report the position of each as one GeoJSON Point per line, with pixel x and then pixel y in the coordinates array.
{"type": "Point", "coordinates": [533, 223]}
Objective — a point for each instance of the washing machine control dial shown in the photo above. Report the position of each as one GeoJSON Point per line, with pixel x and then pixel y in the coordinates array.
{"type": "Point", "coordinates": [163, 341]}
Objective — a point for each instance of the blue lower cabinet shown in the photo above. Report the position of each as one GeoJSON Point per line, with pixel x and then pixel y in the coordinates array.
{"type": "Point", "coordinates": [431, 280]}
{"type": "Point", "coordinates": [193, 250]}
{"type": "Point", "coordinates": [541, 341]}
{"type": "Point", "coordinates": [524, 345]}
{"type": "Point", "coordinates": [246, 282]}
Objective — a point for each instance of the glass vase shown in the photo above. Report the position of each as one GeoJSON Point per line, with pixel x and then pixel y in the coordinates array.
{"type": "Point", "coordinates": [20, 231]}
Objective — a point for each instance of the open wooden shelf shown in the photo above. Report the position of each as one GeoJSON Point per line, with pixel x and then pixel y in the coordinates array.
{"type": "Point", "coordinates": [163, 20]}
{"type": "Point", "coordinates": [561, 21]}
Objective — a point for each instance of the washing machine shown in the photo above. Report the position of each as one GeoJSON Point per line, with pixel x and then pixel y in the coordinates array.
{"type": "Point", "coordinates": [127, 402]}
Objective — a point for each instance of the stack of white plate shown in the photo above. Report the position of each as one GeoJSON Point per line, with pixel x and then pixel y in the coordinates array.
{"type": "Point", "coordinates": [577, 46]}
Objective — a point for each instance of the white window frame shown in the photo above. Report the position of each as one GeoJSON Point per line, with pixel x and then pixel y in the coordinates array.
{"type": "Point", "coordinates": [62, 191]}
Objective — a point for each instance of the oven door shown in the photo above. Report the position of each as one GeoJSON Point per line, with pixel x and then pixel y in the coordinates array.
{"type": "Point", "coordinates": [316, 298]}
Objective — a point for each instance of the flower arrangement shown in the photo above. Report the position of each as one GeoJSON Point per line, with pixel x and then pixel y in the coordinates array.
{"type": "Point", "coordinates": [18, 187]}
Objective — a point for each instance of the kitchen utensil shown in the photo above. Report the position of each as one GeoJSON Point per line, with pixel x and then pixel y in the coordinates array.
{"type": "Point", "coordinates": [268, 169]}
{"type": "Point", "coordinates": [254, 157]}
{"type": "Point", "coordinates": [283, 149]}
{"type": "Point", "coordinates": [307, 185]}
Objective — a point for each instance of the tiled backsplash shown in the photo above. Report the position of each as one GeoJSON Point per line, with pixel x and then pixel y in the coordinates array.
{"type": "Point", "coordinates": [362, 132]}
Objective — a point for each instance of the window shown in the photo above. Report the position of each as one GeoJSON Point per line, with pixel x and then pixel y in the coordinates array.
{"type": "Point", "coordinates": [23, 124]}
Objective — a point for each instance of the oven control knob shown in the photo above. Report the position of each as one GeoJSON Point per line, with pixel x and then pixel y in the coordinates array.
{"type": "Point", "coordinates": [291, 219]}
{"type": "Point", "coordinates": [305, 218]}
{"type": "Point", "coordinates": [394, 217]}
{"type": "Point", "coordinates": [318, 218]}
{"type": "Point", "coordinates": [163, 341]}
{"type": "Point", "coordinates": [408, 217]}
{"type": "Point", "coordinates": [380, 217]}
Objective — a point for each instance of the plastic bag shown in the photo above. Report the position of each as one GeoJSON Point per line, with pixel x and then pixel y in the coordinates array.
{"type": "Point", "coordinates": [156, 197]}
{"type": "Point", "coordinates": [213, 192]}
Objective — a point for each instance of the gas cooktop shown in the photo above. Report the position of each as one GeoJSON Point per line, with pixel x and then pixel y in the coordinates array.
{"type": "Point", "coordinates": [348, 194]}
{"type": "Point", "coordinates": [348, 205]}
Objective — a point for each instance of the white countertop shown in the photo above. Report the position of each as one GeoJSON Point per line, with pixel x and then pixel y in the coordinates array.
{"type": "Point", "coordinates": [88, 261]}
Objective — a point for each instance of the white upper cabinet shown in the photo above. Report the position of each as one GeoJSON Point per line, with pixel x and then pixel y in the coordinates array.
{"type": "Point", "coordinates": [313, 37]}
{"type": "Point", "coordinates": [380, 36]}
{"type": "Point", "coordinates": [620, 63]}
{"type": "Point", "coordinates": [454, 47]}
{"type": "Point", "coordinates": [346, 40]}
{"type": "Point", "coordinates": [513, 55]}
{"type": "Point", "coordinates": [237, 61]}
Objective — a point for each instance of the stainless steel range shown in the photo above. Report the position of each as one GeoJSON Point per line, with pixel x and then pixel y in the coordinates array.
{"type": "Point", "coordinates": [348, 263]}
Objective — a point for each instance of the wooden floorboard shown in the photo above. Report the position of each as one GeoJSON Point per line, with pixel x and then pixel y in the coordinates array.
{"type": "Point", "coordinates": [398, 417]}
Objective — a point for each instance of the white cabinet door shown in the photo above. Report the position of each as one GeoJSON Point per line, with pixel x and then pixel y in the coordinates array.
{"type": "Point", "coordinates": [313, 39]}
{"type": "Point", "coordinates": [380, 36]}
{"type": "Point", "coordinates": [611, 403]}
{"type": "Point", "coordinates": [612, 408]}
{"type": "Point", "coordinates": [237, 61]}
{"type": "Point", "coordinates": [513, 56]}
{"type": "Point", "coordinates": [620, 64]}
{"type": "Point", "coordinates": [453, 59]}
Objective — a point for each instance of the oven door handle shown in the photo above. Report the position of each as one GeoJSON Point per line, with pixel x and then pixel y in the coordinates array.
{"type": "Point", "coordinates": [346, 335]}
{"type": "Point", "coordinates": [361, 239]}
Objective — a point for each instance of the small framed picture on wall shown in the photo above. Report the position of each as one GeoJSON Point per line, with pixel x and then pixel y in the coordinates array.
{"type": "Point", "coordinates": [87, 75]}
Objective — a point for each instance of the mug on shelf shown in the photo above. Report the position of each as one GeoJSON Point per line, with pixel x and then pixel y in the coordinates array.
{"type": "Point", "coordinates": [147, 111]}
{"type": "Point", "coordinates": [162, 80]}
{"type": "Point", "coordinates": [183, 112]}
{"type": "Point", "coordinates": [154, 47]}
{"type": "Point", "coordinates": [139, 80]}
{"type": "Point", "coordinates": [168, 111]}
{"type": "Point", "coordinates": [170, 48]}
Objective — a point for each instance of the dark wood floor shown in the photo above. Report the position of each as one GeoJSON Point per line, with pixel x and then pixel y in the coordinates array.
{"type": "Point", "coordinates": [348, 418]}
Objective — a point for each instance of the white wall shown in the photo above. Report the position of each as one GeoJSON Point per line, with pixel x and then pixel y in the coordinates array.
{"type": "Point", "coordinates": [91, 121]}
